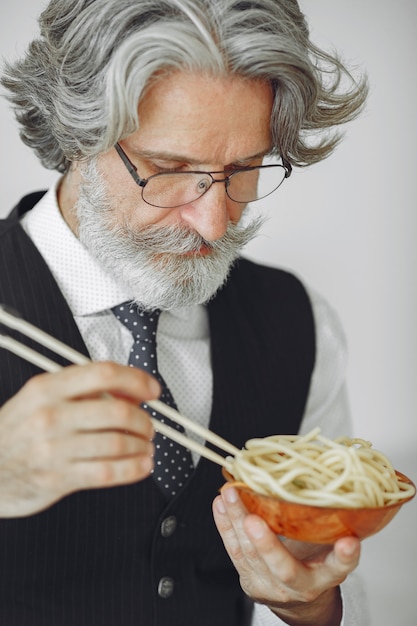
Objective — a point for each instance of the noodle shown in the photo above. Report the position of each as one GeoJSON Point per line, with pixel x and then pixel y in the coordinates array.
{"type": "Point", "coordinates": [314, 470]}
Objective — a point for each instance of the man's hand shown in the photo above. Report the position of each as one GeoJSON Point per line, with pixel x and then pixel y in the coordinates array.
{"type": "Point", "coordinates": [300, 592]}
{"type": "Point", "coordinates": [76, 429]}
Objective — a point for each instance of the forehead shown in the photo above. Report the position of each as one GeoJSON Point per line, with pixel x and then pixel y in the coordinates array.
{"type": "Point", "coordinates": [209, 119]}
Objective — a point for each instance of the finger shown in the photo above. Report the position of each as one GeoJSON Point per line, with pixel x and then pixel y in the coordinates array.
{"type": "Point", "coordinates": [345, 556]}
{"type": "Point", "coordinates": [265, 540]}
{"type": "Point", "coordinates": [334, 568]}
{"type": "Point", "coordinates": [229, 514]}
{"type": "Point", "coordinates": [105, 445]}
{"type": "Point", "coordinates": [109, 414]}
{"type": "Point", "coordinates": [272, 558]}
{"type": "Point", "coordinates": [108, 473]}
{"type": "Point", "coordinates": [100, 414]}
{"type": "Point", "coordinates": [93, 379]}
{"type": "Point", "coordinates": [223, 522]}
{"type": "Point", "coordinates": [281, 551]}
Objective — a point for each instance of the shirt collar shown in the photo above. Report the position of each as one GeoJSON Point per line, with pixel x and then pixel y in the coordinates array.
{"type": "Point", "coordinates": [87, 288]}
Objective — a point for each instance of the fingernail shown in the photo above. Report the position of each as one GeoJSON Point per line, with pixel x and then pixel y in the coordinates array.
{"type": "Point", "coordinates": [257, 528]}
{"type": "Point", "coordinates": [154, 387]}
{"type": "Point", "coordinates": [220, 506]}
{"type": "Point", "coordinates": [230, 495]}
{"type": "Point", "coordinates": [147, 464]}
{"type": "Point", "coordinates": [349, 550]}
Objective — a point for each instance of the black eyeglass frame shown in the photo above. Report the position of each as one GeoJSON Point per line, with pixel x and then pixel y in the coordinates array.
{"type": "Point", "coordinates": [142, 182]}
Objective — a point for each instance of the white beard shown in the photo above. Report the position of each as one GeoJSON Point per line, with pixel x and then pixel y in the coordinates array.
{"type": "Point", "coordinates": [151, 263]}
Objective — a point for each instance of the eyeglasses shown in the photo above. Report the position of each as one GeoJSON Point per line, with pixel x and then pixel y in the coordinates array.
{"type": "Point", "coordinates": [168, 190]}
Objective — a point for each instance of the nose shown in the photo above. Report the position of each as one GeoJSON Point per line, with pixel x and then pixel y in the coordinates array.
{"type": "Point", "coordinates": [211, 214]}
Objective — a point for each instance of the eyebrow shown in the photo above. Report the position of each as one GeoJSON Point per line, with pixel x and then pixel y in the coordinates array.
{"type": "Point", "coordinates": [170, 156]}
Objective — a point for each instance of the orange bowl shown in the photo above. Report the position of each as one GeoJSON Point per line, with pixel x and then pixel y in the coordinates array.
{"type": "Point", "coordinates": [315, 524]}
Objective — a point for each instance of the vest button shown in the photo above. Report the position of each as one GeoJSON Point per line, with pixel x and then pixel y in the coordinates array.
{"type": "Point", "coordinates": [169, 526]}
{"type": "Point", "coordinates": [165, 587]}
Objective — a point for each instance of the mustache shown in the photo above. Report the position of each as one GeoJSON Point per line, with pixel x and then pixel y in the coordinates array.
{"type": "Point", "coordinates": [179, 240]}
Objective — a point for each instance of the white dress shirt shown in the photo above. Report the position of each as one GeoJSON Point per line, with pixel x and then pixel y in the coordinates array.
{"type": "Point", "coordinates": [184, 349]}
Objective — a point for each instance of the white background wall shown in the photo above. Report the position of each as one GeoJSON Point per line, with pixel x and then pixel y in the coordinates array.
{"type": "Point", "coordinates": [348, 227]}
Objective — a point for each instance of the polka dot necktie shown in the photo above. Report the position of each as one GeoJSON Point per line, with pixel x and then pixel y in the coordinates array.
{"type": "Point", "coordinates": [173, 462]}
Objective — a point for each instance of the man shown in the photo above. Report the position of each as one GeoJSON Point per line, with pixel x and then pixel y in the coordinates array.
{"type": "Point", "coordinates": [162, 117]}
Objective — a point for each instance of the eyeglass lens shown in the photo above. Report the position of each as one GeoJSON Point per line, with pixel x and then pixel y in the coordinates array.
{"type": "Point", "coordinates": [177, 189]}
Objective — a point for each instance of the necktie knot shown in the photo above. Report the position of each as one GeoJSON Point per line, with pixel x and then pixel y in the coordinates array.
{"type": "Point", "coordinates": [142, 324]}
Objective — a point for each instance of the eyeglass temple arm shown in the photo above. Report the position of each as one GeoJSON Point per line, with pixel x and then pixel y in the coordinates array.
{"type": "Point", "coordinates": [129, 165]}
{"type": "Point", "coordinates": [288, 168]}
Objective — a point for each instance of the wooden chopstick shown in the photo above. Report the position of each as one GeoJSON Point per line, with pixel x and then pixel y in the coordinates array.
{"type": "Point", "coordinates": [51, 366]}
{"type": "Point", "coordinates": [12, 321]}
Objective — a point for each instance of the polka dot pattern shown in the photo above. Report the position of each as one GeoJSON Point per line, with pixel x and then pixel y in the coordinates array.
{"type": "Point", "coordinates": [173, 462]}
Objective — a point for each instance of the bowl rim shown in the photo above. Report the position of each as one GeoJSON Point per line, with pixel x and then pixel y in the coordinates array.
{"type": "Point", "coordinates": [242, 485]}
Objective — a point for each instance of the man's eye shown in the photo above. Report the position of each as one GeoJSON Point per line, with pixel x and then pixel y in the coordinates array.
{"type": "Point", "coordinates": [239, 166]}
{"type": "Point", "coordinates": [160, 168]}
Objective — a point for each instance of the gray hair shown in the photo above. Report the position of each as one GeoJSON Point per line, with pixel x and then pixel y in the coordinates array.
{"type": "Point", "coordinates": [76, 91]}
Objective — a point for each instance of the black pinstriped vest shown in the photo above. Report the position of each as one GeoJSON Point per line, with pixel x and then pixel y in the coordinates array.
{"type": "Point", "coordinates": [122, 556]}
